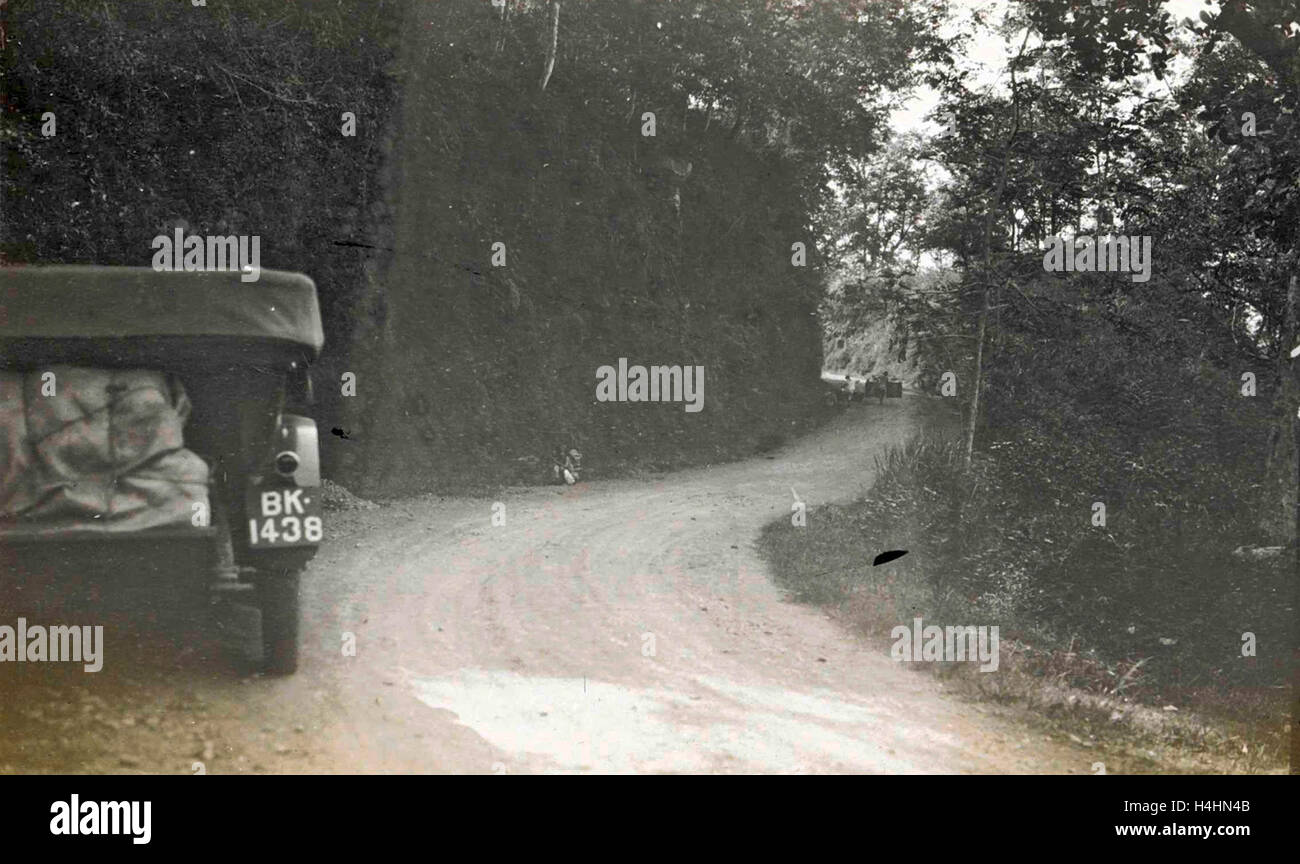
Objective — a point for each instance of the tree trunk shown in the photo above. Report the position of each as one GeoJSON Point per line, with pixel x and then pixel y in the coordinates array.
{"type": "Point", "coordinates": [1279, 513]}
{"type": "Point", "coordinates": [554, 43]}
{"type": "Point", "coordinates": [1292, 480]}
{"type": "Point", "coordinates": [1291, 483]}
{"type": "Point", "coordinates": [993, 206]}
{"type": "Point", "coordinates": [973, 418]}
{"type": "Point", "coordinates": [1291, 395]}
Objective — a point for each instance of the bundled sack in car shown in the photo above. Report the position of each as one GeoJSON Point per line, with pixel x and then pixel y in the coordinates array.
{"type": "Point", "coordinates": [105, 452]}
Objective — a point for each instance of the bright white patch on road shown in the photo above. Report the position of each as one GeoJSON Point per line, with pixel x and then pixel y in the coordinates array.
{"type": "Point", "coordinates": [720, 726]}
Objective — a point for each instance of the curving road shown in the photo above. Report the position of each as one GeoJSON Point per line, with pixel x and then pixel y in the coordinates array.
{"type": "Point", "coordinates": [617, 626]}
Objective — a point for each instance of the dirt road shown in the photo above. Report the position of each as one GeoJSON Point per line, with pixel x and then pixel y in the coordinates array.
{"type": "Point", "coordinates": [616, 626]}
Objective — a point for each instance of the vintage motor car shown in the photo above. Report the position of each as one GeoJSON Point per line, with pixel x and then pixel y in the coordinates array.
{"type": "Point", "coordinates": [147, 418]}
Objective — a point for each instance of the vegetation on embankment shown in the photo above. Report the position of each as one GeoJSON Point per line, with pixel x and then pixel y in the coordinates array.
{"type": "Point", "coordinates": [669, 248]}
{"type": "Point", "coordinates": [1100, 627]}
{"type": "Point", "coordinates": [122, 121]}
{"type": "Point", "coordinates": [646, 204]}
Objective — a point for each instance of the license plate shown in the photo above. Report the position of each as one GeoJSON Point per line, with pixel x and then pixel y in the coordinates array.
{"type": "Point", "coordinates": [285, 516]}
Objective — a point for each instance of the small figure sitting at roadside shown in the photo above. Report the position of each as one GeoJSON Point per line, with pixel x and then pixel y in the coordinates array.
{"type": "Point", "coordinates": [566, 465]}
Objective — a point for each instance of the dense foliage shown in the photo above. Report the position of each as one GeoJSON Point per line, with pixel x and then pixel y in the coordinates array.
{"type": "Point", "coordinates": [664, 248]}
{"type": "Point", "coordinates": [1170, 401]}
{"type": "Point", "coordinates": [671, 248]}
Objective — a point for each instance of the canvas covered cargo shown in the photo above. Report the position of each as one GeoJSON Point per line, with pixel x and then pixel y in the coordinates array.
{"type": "Point", "coordinates": [95, 451]}
{"type": "Point", "coordinates": [138, 317]}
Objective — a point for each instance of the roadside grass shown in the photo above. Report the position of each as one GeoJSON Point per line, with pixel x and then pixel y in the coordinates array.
{"type": "Point", "coordinates": [1130, 634]}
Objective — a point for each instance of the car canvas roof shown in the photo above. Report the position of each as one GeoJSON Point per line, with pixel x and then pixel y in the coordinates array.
{"type": "Point", "coordinates": [90, 302]}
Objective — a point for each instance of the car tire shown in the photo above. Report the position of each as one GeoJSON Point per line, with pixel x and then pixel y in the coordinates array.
{"type": "Point", "coordinates": [278, 597]}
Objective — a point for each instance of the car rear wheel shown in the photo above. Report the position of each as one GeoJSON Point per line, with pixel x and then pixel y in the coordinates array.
{"type": "Point", "coordinates": [278, 596]}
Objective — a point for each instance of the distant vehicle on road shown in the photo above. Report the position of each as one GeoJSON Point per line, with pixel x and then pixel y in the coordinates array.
{"type": "Point", "coordinates": [846, 388]}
